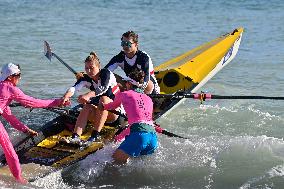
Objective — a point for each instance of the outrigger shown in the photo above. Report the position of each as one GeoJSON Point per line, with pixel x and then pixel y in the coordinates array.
{"type": "Point", "coordinates": [177, 78]}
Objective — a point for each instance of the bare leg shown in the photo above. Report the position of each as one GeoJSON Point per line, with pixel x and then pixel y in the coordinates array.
{"type": "Point", "coordinates": [120, 157]}
{"type": "Point", "coordinates": [82, 119]}
{"type": "Point", "coordinates": [100, 117]}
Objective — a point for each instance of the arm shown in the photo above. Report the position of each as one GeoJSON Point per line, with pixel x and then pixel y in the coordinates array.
{"type": "Point", "coordinates": [123, 134]}
{"type": "Point", "coordinates": [145, 68]}
{"type": "Point", "coordinates": [104, 77]}
{"type": "Point", "coordinates": [7, 114]}
{"type": "Point", "coordinates": [115, 104]}
{"type": "Point", "coordinates": [71, 91]}
{"type": "Point", "coordinates": [115, 62]}
{"type": "Point", "coordinates": [29, 101]}
{"type": "Point", "coordinates": [13, 120]}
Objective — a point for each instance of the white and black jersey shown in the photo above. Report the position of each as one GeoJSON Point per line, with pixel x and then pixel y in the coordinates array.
{"type": "Point", "coordinates": [105, 86]}
{"type": "Point", "coordinates": [141, 60]}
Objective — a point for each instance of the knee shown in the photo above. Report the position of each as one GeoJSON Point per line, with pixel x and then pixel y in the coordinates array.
{"type": "Point", "coordinates": [105, 99]}
{"type": "Point", "coordinates": [120, 157]}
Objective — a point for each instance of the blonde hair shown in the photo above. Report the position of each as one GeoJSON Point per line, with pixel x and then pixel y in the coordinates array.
{"type": "Point", "coordinates": [93, 57]}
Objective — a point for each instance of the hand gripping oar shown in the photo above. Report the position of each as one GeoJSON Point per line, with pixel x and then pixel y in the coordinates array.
{"type": "Point", "coordinates": [48, 53]}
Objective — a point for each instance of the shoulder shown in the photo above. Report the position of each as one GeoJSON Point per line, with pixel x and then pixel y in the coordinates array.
{"type": "Point", "coordinates": [118, 58]}
{"type": "Point", "coordinates": [8, 85]}
{"type": "Point", "coordinates": [124, 93]}
{"type": "Point", "coordinates": [105, 72]}
{"type": "Point", "coordinates": [9, 88]}
{"type": "Point", "coordinates": [84, 78]}
{"type": "Point", "coordinates": [143, 55]}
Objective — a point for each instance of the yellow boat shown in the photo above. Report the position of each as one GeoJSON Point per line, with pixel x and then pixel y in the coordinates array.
{"type": "Point", "coordinates": [186, 73]}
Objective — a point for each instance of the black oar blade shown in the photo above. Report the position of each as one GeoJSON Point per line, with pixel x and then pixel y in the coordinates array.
{"type": "Point", "coordinates": [47, 50]}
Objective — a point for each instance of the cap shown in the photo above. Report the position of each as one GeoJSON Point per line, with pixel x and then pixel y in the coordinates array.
{"type": "Point", "coordinates": [7, 70]}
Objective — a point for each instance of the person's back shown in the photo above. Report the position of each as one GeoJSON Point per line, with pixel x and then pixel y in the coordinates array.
{"type": "Point", "coordinates": [138, 106]}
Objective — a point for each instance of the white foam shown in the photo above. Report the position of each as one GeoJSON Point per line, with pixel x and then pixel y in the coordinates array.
{"type": "Point", "coordinates": [264, 115]}
{"type": "Point", "coordinates": [53, 180]}
{"type": "Point", "coordinates": [277, 171]}
{"type": "Point", "coordinates": [93, 166]}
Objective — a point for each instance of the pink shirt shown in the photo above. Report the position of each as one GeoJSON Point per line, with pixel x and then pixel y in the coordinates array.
{"type": "Point", "coordinates": [138, 106]}
{"type": "Point", "coordinates": [9, 92]}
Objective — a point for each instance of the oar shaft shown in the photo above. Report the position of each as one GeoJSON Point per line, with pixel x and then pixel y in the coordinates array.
{"type": "Point", "coordinates": [171, 96]}
{"type": "Point", "coordinates": [247, 97]}
{"type": "Point", "coordinates": [65, 64]}
{"type": "Point", "coordinates": [204, 96]}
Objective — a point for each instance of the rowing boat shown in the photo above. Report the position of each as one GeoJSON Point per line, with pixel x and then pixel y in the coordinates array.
{"type": "Point", "coordinates": [184, 74]}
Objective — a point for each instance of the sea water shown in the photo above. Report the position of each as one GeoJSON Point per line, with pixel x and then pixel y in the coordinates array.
{"type": "Point", "coordinates": [233, 143]}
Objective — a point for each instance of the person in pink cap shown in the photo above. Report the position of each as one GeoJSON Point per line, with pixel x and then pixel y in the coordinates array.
{"type": "Point", "coordinates": [142, 139]}
{"type": "Point", "coordinates": [9, 78]}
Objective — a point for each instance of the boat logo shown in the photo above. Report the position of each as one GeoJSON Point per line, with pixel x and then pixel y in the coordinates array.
{"type": "Point", "coordinates": [228, 55]}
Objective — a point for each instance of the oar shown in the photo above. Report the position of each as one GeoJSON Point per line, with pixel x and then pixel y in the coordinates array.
{"type": "Point", "coordinates": [65, 112]}
{"type": "Point", "coordinates": [204, 96]}
{"type": "Point", "coordinates": [158, 128]}
{"type": "Point", "coordinates": [48, 53]}
{"type": "Point", "coordinates": [60, 111]}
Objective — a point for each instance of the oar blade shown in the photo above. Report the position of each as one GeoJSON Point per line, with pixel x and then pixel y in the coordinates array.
{"type": "Point", "coordinates": [47, 50]}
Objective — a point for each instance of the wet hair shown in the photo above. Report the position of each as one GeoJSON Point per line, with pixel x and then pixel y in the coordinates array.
{"type": "Point", "coordinates": [137, 75]}
{"type": "Point", "coordinates": [131, 34]}
{"type": "Point", "coordinates": [93, 57]}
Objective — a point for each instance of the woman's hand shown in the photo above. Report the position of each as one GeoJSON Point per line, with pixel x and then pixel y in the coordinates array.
{"type": "Point", "coordinates": [79, 75]}
{"type": "Point", "coordinates": [65, 101]}
{"type": "Point", "coordinates": [85, 98]}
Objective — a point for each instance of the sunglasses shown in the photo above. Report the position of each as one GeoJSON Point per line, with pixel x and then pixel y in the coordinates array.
{"type": "Point", "coordinates": [16, 75]}
{"type": "Point", "coordinates": [126, 44]}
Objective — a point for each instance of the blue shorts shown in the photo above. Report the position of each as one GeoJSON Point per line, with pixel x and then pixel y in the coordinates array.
{"type": "Point", "coordinates": [139, 143]}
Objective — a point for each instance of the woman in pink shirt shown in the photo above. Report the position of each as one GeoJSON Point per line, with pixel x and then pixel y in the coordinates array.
{"type": "Point", "coordinates": [139, 109]}
{"type": "Point", "coordinates": [9, 78]}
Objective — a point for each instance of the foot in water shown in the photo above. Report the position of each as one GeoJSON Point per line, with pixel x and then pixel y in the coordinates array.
{"type": "Point", "coordinates": [22, 180]}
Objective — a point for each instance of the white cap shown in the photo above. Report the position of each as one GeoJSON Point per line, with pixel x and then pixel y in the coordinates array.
{"type": "Point", "coordinates": [133, 82]}
{"type": "Point", "coordinates": [7, 70]}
